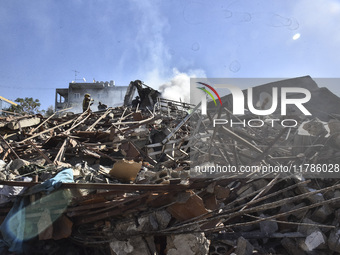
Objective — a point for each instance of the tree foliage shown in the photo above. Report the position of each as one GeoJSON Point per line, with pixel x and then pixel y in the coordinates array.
{"type": "Point", "coordinates": [26, 105]}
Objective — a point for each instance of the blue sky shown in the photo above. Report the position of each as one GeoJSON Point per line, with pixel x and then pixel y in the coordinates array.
{"type": "Point", "coordinates": [163, 42]}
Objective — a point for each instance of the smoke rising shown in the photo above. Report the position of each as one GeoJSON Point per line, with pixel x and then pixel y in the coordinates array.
{"type": "Point", "coordinates": [111, 97]}
{"type": "Point", "coordinates": [178, 88]}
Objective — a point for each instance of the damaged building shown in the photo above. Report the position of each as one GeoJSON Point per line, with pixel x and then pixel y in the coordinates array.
{"type": "Point", "coordinates": [123, 181]}
{"type": "Point", "coordinates": [105, 92]}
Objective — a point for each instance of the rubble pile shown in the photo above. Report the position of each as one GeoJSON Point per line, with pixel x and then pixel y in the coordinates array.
{"type": "Point", "coordinates": [126, 181]}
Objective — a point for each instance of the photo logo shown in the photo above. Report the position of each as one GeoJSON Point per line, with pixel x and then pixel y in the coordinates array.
{"type": "Point", "coordinates": [213, 90]}
{"type": "Point", "coordinates": [239, 99]}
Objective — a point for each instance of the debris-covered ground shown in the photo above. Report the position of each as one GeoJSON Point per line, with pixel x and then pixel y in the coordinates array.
{"type": "Point", "coordinates": [123, 181]}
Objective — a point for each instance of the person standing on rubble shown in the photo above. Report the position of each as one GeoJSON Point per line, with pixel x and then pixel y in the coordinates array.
{"type": "Point", "coordinates": [101, 106]}
{"type": "Point", "coordinates": [148, 96]}
{"type": "Point", "coordinates": [87, 102]}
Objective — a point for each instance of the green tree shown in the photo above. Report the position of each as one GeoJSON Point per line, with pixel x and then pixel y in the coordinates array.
{"type": "Point", "coordinates": [26, 105]}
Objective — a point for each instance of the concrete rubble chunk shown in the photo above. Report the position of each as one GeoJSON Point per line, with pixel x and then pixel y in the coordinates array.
{"type": "Point", "coordinates": [163, 218]}
{"type": "Point", "coordinates": [26, 122]}
{"type": "Point", "coordinates": [334, 240]}
{"type": "Point", "coordinates": [243, 247]}
{"type": "Point", "coordinates": [315, 240]}
{"type": "Point", "coordinates": [189, 244]}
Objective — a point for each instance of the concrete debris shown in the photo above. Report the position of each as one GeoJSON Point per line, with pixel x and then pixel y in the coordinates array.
{"type": "Point", "coordinates": [314, 240]}
{"type": "Point", "coordinates": [133, 186]}
{"type": "Point", "coordinates": [334, 240]}
{"type": "Point", "coordinates": [22, 123]}
{"type": "Point", "coordinates": [191, 244]}
{"type": "Point", "coordinates": [133, 246]}
{"type": "Point", "coordinates": [243, 247]}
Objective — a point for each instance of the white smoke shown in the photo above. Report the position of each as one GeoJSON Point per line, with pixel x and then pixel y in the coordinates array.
{"type": "Point", "coordinates": [157, 70]}
{"type": "Point", "coordinates": [178, 88]}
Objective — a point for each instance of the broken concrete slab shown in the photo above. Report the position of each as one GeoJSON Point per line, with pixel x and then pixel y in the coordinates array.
{"type": "Point", "coordinates": [26, 122]}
